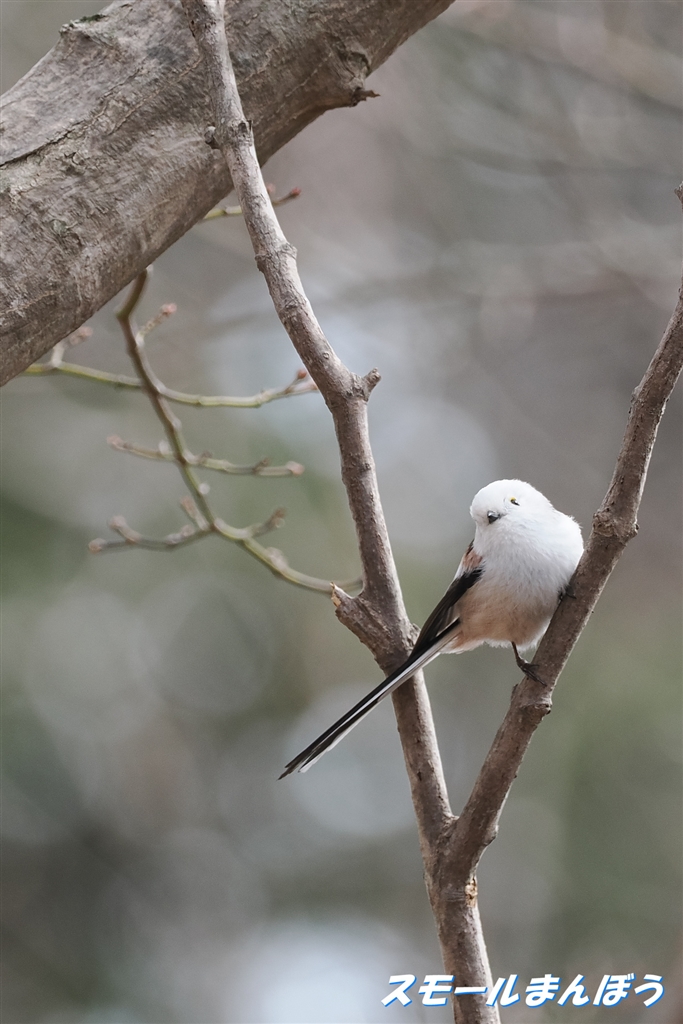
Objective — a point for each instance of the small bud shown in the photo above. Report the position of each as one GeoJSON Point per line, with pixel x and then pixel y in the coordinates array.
{"type": "Point", "coordinates": [97, 545]}
{"type": "Point", "coordinates": [82, 334]}
{"type": "Point", "coordinates": [203, 488]}
{"type": "Point", "coordinates": [278, 559]}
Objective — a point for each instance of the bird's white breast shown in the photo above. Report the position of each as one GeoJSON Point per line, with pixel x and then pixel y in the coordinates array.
{"type": "Point", "coordinates": [527, 562]}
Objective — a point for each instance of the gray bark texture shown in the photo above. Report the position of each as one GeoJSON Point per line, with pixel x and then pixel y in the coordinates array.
{"type": "Point", "coordinates": [103, 163]}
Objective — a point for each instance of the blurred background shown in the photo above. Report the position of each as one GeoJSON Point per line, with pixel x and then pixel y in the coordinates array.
{"type": "Point", "coordinates": [498, 233]}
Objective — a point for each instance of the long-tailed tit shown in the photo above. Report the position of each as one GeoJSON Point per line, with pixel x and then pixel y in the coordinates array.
{"type": "Point", "coordinates": [504, 593]}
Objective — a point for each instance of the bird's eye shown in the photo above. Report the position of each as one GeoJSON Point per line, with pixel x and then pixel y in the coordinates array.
{"type": "Point", "coordinates": [513, 501]}
{"type": "Point", "coordinates": [491, 516]}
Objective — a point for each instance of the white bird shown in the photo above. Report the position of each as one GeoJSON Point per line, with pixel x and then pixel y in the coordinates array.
{"type": "Point", "coordinates": [504, 593]}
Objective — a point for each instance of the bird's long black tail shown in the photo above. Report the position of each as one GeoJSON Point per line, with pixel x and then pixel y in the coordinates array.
{"type": "Point", "coordinates": [417, 660]}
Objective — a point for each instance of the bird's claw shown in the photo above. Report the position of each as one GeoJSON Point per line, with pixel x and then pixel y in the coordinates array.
{"type": "Point", "coordinates": [528, 668]}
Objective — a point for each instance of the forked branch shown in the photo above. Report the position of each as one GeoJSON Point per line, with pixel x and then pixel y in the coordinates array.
{"type": "Point", "coordinates": [378, 615]}
{"type": "Point", "coordinates": [451, 847]}
{"type": "Point", "coordinates": [203, 521]}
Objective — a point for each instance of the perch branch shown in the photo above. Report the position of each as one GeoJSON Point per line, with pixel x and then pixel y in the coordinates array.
{"type": "Point", "coordinates": [614, 524]}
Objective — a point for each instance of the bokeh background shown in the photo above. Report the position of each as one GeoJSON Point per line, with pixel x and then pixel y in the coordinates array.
{"type": "Point", "coordinates": [498, 233]}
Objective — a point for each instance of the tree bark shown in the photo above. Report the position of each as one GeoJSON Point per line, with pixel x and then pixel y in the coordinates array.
{"type": "Point", "coordinates": [103, 163]}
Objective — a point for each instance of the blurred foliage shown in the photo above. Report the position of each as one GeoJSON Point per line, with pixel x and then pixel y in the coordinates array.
{"type": "Point", "coordinates": [497, 233]}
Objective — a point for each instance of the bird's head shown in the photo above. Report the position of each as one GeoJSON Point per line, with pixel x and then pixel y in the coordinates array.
{"type": "Point", "coordinates": [508, 498]}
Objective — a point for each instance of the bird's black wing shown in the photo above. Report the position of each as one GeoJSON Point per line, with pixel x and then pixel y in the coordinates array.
{"type": "Point", "coordinates": [443, 617]}
{"type": "Point", "coordinates": [435, 632]}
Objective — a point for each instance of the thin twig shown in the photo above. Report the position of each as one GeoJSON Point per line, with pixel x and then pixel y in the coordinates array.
{"type": "Point", "coordinates": [299, 386]}
{"type": "Point", "coordinates": [272, 558]}
{"type": "Point", "coordinates": [206, 461]}
{"type": "Point", "coordinates": [135, 345]}
{"type": "Point", "coordinates": [131, 538]}
{"type": "Point", "coordinates": [236, 211]}
{"type": "Point", "coordinates": [168, 309]}
{"type": "Point", "coordinates": [195, 505]}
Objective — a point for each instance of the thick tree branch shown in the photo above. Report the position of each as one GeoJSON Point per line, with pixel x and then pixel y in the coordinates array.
{"type": "Point", "coordinates": [102, 161]}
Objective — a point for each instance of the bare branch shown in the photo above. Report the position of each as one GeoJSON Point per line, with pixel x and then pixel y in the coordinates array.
{"type": "Point", "coordinates": [378, 615]}
{"type": "Point", "coordinates": [192, 512]}
{"type": "Point", "coordinates": [196, 504]}
{"type": "Point", "coordinates": [131, 538]}
{"type": "Point", "coordinates": [236, 211]}
{"type": "Point", "coordinates": [299, 386]}
{"type": "Point", "coordinates": [152, 386]}
{"type": "Point", "coordinates": [272, 558]}
{"type": "Point", "coordinates": [166, 310]}
{"type": "Point", "coordinates": [614, 524]}
{"type": "Point", "coordinates": [206, 461]}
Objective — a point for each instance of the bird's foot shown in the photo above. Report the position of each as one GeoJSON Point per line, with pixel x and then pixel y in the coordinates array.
{"type": "Point", "coordinates": [528, 668]}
